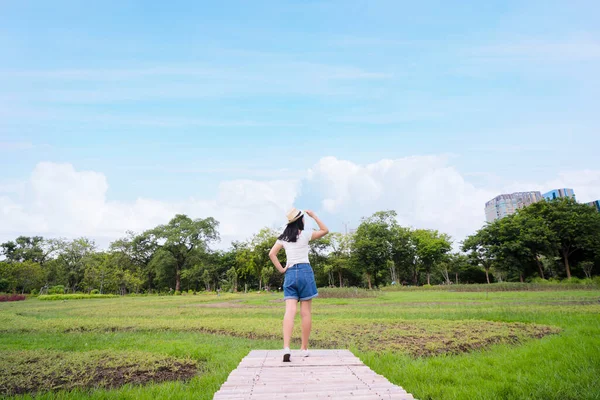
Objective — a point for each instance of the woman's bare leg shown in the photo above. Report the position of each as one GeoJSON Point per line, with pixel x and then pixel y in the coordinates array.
{"type": "Point", "coordinates": [288, 321]}
{"type": "Point", "coordinates": [305, 313]}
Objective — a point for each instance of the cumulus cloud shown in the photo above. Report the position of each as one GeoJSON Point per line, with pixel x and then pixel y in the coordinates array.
{"type": "Point", "coordinates": [426, 192]}
{"type": "Point", "coordinates": [585, 183]}
{"type": "Point", "coordinates": [59, 200]}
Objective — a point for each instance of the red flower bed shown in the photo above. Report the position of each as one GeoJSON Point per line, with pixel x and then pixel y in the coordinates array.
{"type": "Point", "coordinates": [11, 297]}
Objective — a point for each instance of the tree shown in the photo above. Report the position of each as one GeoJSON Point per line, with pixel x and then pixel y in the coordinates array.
{"type": "Point", "coordinates": [587, 267]}
{"type": "Point", "coordinates": [25, 248]}
{"type": "Point", "coordinates": [339, 258]}
{"type": "Point", "coordinates": [29, 275]}
{"type": "Point", "coordinates": [511, 252]}
{"type": "Point", "coordinates": [232, 279]}
{"type": "Point", "coordinates": [480, 250]}
{"type": "Point", "coordinates": [457, 264]}
{"type": "Point", "coordinates": [97, 274]}
{"type": "Point", "coordinates": [372, 245]}
{"type": "Point", "coordinates": [535, 235]}
{"type": "Point", "coordinates": [181, 238]}
{"type": "Point", "coordinates": [404, 255]}
{"type": "Point", "coordinates": [137, 251]}
{"type": "Point", "coordinates": [9, 276]}
{"type": "Point", "coordinates": [244, 262]}
{"type": "Point", "coordinates": [575, 227]}
{"type": "Point", "coordinates": [206, 279]}
{"type": "Point", "coordinates": [72, 258]}
{"type": "Point", "coordinates": [431, 248]}
{"type": "Point", "coordinates": [266, 275]}
{"type": "Point", "coordinates": [319, 250]}
{"type": "Point", "coordinates": [514, 244]}
{"type": "Point", "coordinates": [260, 245]}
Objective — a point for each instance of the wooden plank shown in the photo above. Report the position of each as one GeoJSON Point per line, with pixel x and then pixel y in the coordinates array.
{"type": "Point", "coordinates": [325, 374]}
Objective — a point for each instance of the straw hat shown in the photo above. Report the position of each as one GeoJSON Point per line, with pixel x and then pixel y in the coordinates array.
{"type": "Point", "coordinates": [294, 214]}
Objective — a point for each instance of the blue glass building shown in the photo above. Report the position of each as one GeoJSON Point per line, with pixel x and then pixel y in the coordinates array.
{"type": "Point", "coordinates": [559, 193]}
{"type": "Point", "coordinates": [595, 204]}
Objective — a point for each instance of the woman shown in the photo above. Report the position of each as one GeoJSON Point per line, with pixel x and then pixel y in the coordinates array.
{"type": "Point", "coordinates": [299, 284]}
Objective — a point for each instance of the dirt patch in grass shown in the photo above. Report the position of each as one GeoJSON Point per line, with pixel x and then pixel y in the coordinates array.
{"type": "Point", "coordinates": [430, 304]}
{"type": "Point", "coordinates": [31, 371]}
{"type": "Point", "coordinates": [430, 338]}
{"type": "Point", "coordinates": [346, 293]}
{"type": "Point", "coordinates": [418, 338]}
{"type": "Point", "coordinates": [566, 303]}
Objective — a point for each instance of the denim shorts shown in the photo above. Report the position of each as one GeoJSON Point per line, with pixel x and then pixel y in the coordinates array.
{"type": "Point", "coordinates": [299, 283]}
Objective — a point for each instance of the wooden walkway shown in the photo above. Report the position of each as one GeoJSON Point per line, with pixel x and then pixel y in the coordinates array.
{"type": "Point", "coordinates": [326, 374]}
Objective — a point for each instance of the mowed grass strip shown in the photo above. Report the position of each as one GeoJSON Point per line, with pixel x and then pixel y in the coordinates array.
{"type": "Point", "coordinates": [31, 371]}
{"type": "Point", "coordinates": [75, 296]}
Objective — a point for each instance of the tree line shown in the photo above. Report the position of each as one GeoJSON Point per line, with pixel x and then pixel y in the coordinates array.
{"type": "Point", "coordinates": [553, 239]}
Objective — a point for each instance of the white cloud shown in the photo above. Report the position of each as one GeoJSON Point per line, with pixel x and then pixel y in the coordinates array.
{"type": "Point", "coordinates": [585, 184]}
{"type": "Point", "coordinates": [426, 192]}
{"type": "Point", "coordinates": [59, 200]}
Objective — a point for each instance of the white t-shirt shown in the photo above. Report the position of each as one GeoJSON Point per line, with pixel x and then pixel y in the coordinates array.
{"type": "Point", "coordinates": [297, 252]}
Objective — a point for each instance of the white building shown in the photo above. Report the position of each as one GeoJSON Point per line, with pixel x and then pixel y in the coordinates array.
{"type": "Point", "coordinates": [507, 204]}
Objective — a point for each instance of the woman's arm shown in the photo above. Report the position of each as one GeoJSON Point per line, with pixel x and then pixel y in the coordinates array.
{"type": "Point", "coordinates": [273, 256]}
{"type": "Point", "coordinates": [323, 230]}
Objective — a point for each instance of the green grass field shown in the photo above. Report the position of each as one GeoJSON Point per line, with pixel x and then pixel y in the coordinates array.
{"type": "Point", "coordinates": [435, 344]}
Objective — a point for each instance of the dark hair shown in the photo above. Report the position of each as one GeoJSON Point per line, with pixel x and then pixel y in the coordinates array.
{"type": "Point", "coordinates": [292, 230]}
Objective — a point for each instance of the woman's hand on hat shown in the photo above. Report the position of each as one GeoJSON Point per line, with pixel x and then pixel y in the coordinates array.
{"type": "Point", "coordinates": [310, 213]}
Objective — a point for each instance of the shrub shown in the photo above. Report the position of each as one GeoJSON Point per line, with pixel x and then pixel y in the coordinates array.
{"type": "Point", "coordinates": [95, 291]}
{"type": "Point", "coordinates": [191, 292]}
{"type": "Point", "coordinates": [572, 281]}
{"type": "Point", "coordinates": [177, 293]}
{"type": "Point", "coordinates": [12, 297]}
{"type": "Point", "coordinates": [34, 292]}
{"type": "Point", "coordinates": [58, 289]}
{"type": "Point", "coordinates": [540, 281]}
{"type": "Point", "coordinates": [4, 285]}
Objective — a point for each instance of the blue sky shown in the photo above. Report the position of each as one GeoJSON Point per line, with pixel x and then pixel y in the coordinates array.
{"type": "Point", "coordinates": [168, 100]}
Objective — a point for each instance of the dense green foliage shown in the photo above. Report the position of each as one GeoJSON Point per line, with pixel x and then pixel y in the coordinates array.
{"type": "Point", "coordinates": [548, 239]}
{"type": "Point", "coordinates": [557, 239]}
